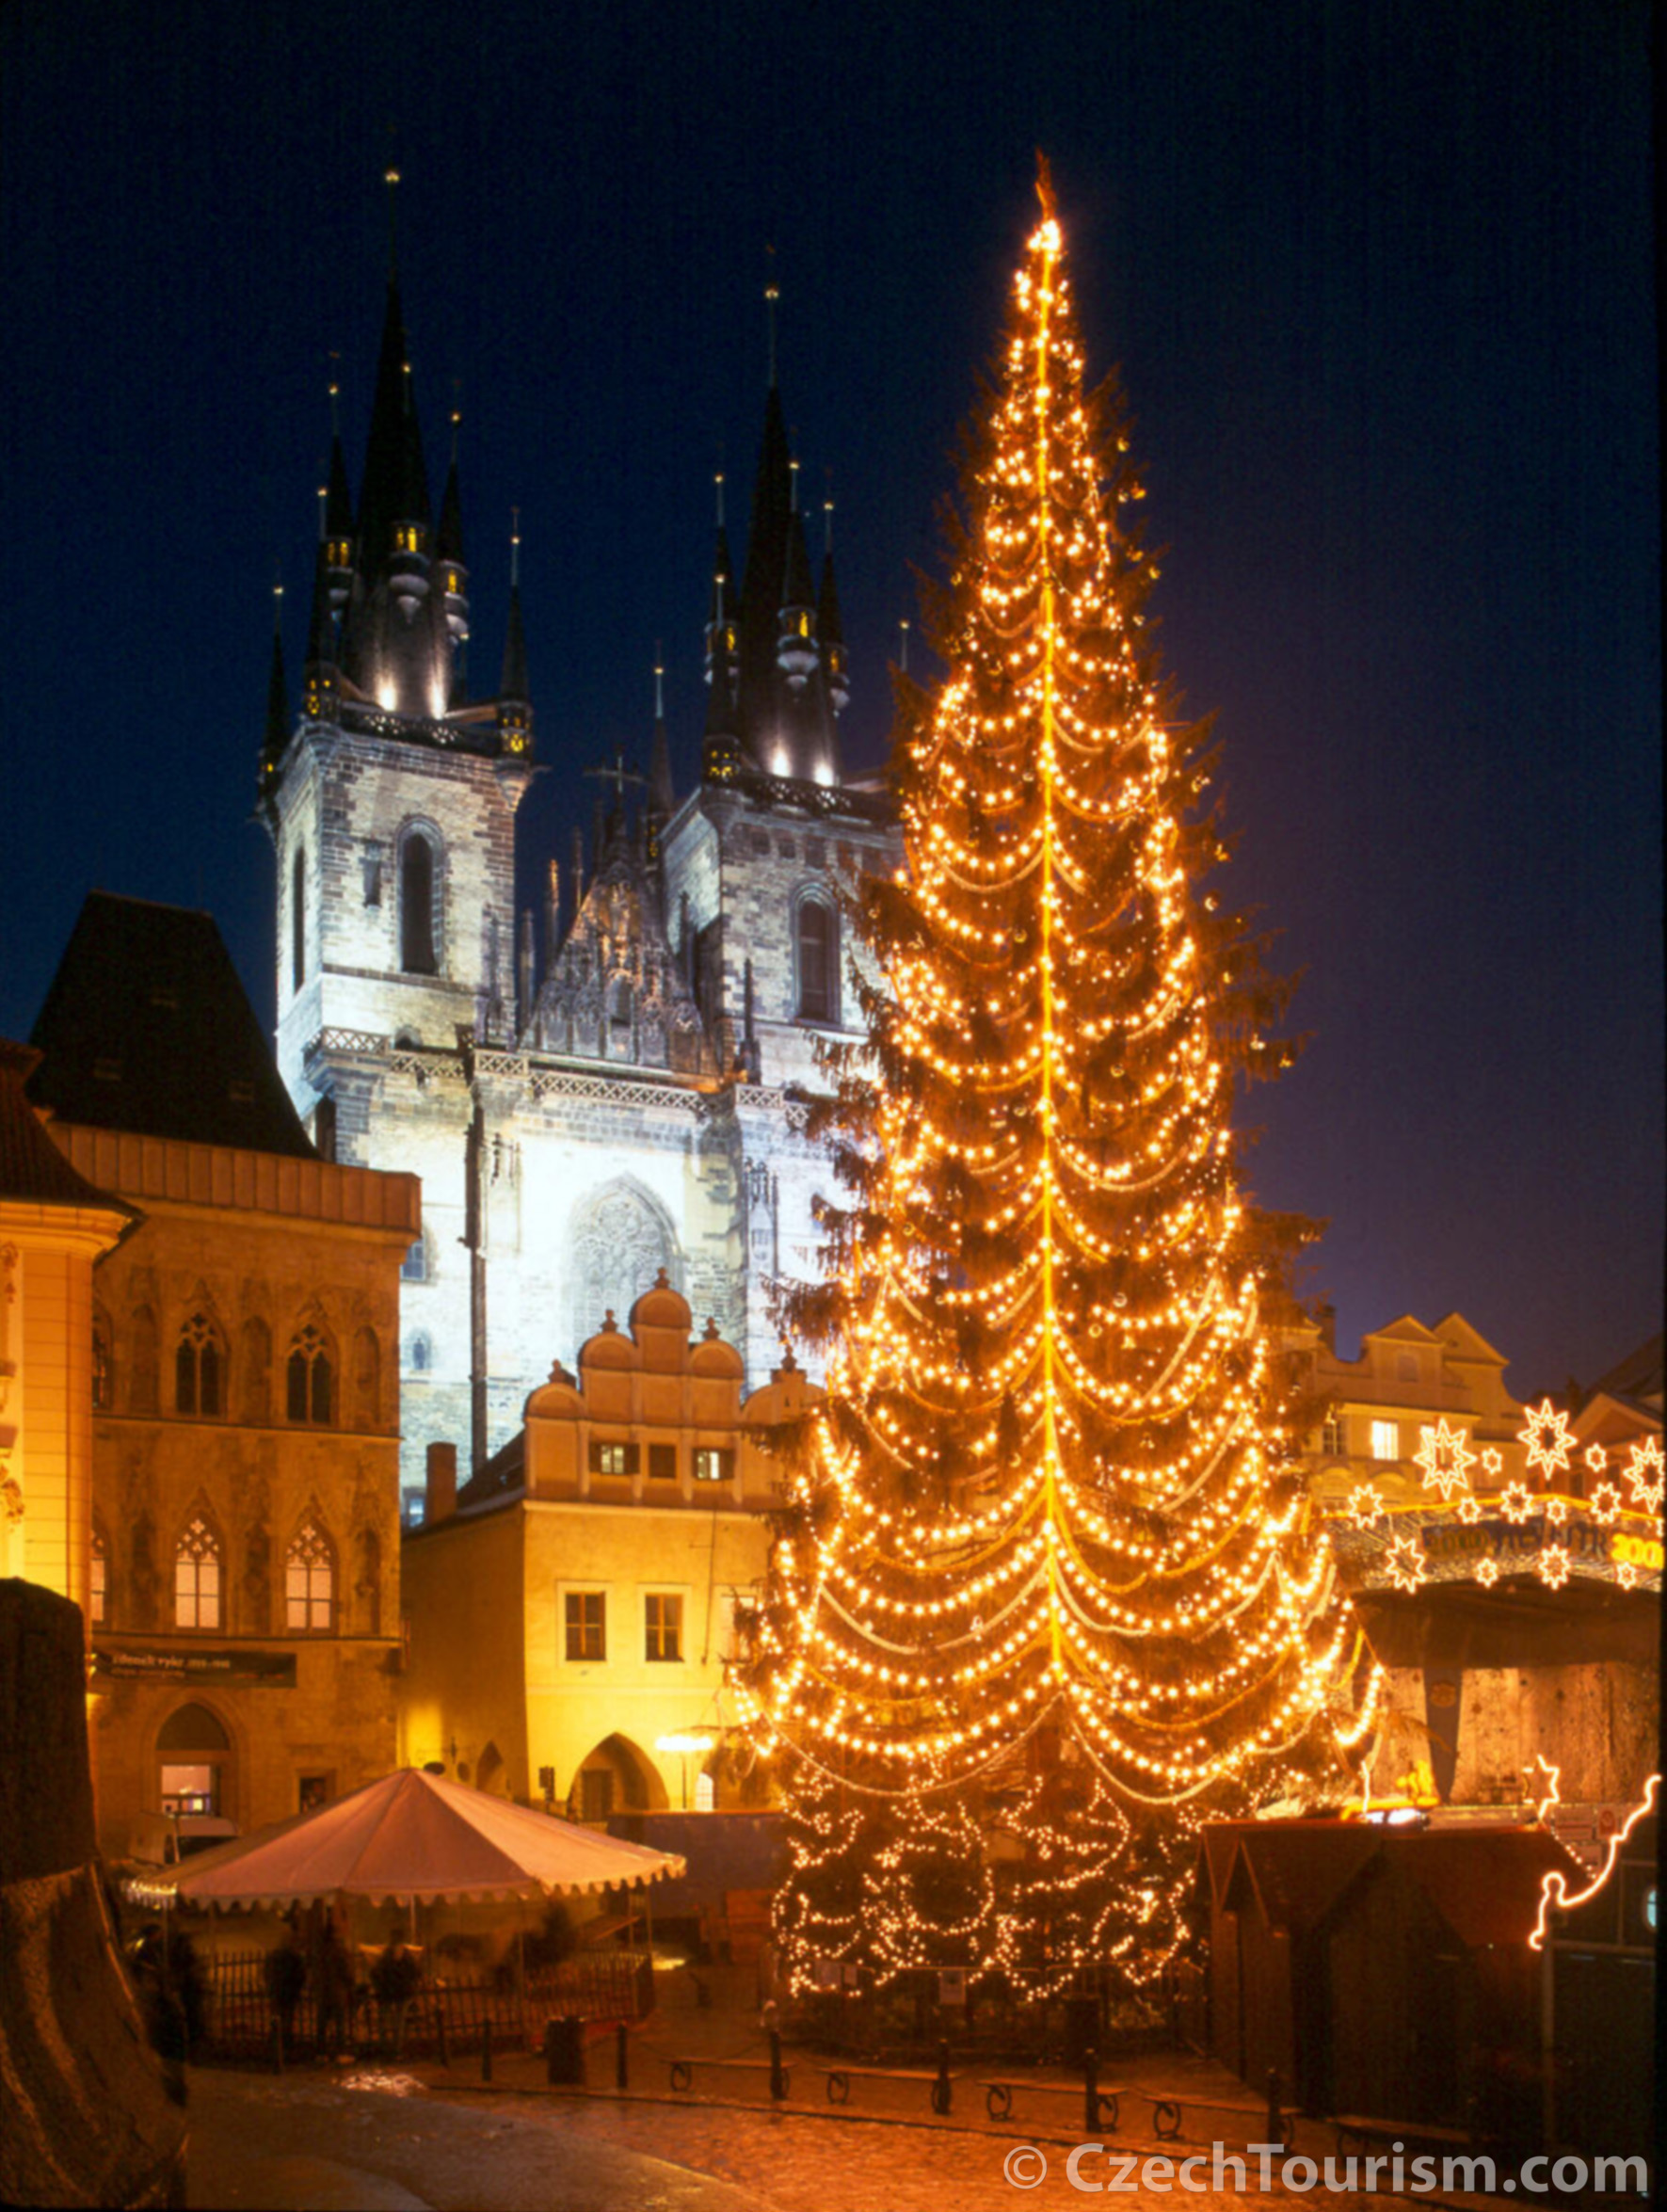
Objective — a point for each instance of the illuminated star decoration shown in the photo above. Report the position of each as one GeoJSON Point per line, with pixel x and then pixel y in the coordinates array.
{"type": "Point", "coordinates": [1516, 1503]}
{"type": "Point", "coordinates": [1445, 1457]}
{"type": "Point", "coordinates": [1604, 1503]}
{"type": "Point", "coordinates": [1596, 1458]}
{"type": "Point", "coordinates": [1551, 1565]}
{"type": "Point", "coordinates": [1627, 1574]}
{"type": "Point", "coordinates": [1406, 1565]}
{"type": "Point", "coordinates": [1492, 1462]}
{"type": "Point", "coordinates": [1487, 1571]}
{"type": "Point", "coordinates": [1365, 1508]}
{"type": "Point", "coordinates": [1644, 1471]}
{"type": "Point", "coordinates": [1557, 1510]}
{"type": "Point", "coordinates": [1546, 1433]}
{"type": "Point", "coordinates": [1469, 1507]}
{"type": "Point", "coordinates": [1543, 1778]}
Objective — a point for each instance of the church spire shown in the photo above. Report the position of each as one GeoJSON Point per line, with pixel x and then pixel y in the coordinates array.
{"type": "Point", "coordinates": [277, 723]}
{"type": "Point", "coordinates": [829, 628]}
{"type": "Point", "coordinates": [515, 711]}
{"type": "Point", "coordinates": [662, 791]}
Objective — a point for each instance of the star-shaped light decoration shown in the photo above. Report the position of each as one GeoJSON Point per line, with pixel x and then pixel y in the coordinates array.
{"type": "Point", "coordinates": [1365, 1507]}
{"type": "Point", "coordinates": [1487, 1571]}
{"type": "Point", "coordinates": [1644, 1471]}
{"type": "Point", "coordinates": [1604, 1503]}
{"type": "Point", "coordinates": [1546, 1433]}
{"type": "Point", "coordinates": [1551, 1565]}
{"type": "Point", "coordinates": [1469, 1507]}
{"type": "Point", "coordinates": [1516, 1503]}
{"type": "Point", "coordinates": [1557, 1510]}
{"type": "Point", "coordinates": [1406, 1564]}
{"type": "Point", "coordinates": [1596, 1458]}
{"type": "Point", "coordinates": [1492, 1462]}
{"type": "Point", "coordinates": [1445, 1456]}
{"type": "Point", "coordinates": [1627, 1574]}
{"type": "Point", "coordinates": [1543, 1778]}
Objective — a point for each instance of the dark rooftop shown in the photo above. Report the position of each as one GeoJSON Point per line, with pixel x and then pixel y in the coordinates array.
{"type": "Point", "coordinates": [32, 1168]}
{"type": "Point", "coordinates": [146, 1028]}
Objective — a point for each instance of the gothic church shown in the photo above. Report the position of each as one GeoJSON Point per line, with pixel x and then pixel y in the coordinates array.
{"type": "Point", "coordinates": [607, 1092]}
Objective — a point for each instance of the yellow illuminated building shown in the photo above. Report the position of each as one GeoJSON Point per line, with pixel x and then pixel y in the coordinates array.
{"type": "Point", "coordinates": [571, 1609]}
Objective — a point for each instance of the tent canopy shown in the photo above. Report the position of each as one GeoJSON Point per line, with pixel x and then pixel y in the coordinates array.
{"type": "Point", "coordinates": [410, 1838]}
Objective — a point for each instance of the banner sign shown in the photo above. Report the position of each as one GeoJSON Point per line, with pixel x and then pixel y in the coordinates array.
{"type": "Point", "coordinates": [223, 1668]}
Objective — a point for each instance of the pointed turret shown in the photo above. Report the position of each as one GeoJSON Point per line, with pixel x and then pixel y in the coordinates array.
{"type": "Point", "coordinates": [795, 620]}
{"type": "Point", "coordinates": [454, 574]}
{"type": "Point", "coordinates": [336, 515]}
{"type": "Point", "coordinates": [830, 631]}
{"type": "Point", "coordinates": [395, 495]}
{"type": "Point", "coordinates": [662, 791]}
{"type": "Point", "coordinates": [278, 722]}
{"type": "Point", "coordinates": [766, 565]}
{"type": "Point", "coordinates": [515, 707]}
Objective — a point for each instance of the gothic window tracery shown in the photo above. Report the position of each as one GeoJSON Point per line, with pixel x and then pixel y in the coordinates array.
{"type": "Point", "coordinates": [309, 1375]}
{"type": "Point", "coordinates": [622, 1239]}
{"type": "Point", "coordinates": [199, 1367]}
{"type": "Point", "coordinates": [309, 1583]}
{"type": "Point", "coordinates": [196, 1578]}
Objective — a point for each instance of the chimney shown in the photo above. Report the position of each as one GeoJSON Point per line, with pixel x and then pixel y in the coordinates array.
{"type": "Point", "coordinates": [442, 1485]}
{"type": "Point", "coordinates": [1325, 1314]}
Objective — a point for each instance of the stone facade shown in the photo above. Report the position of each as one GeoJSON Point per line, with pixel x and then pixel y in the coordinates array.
{"type": "Point", "coordinates": [606, 1092]}
{"type": "Point", "coordinates": [245, 1425]}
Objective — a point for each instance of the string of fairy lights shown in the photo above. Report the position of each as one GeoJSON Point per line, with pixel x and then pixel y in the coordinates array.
{"type": "Point", "coordinates": [1053, 1483]}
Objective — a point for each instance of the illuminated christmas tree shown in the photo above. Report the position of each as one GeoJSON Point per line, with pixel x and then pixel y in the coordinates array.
{"type": "Point", "coordinates": [1053, 1484]}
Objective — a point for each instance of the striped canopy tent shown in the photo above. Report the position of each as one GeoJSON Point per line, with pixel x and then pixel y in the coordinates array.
{"type": "Point", "coordinates": [411, 1839]}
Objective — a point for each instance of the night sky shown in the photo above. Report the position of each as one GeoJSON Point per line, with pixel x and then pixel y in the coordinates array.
{"type": "Point", "coordinates": [1379, 282]}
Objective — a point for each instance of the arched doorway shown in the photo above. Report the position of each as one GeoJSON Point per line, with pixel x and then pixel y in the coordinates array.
{"type": "Point", "coordinates": [616, 1777]}
{"type": "Point", "coordinates": [194, 1761]}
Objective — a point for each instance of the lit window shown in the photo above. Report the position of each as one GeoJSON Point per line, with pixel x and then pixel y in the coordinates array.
{"type": "Point", "coordinates": [713, 1465]}
{"type": "Point", "coordinates": [196, 1755]}
{"type": "Point", "coordinates": [1334, 1437]}
{"type": "Point", "coordinates": [98, 1579]}
{"type": "Point", "coordinates": [199, 1369]}
{"type": "Point", "coordinates": [197, 1579]}
{"type": "Point", "coordinates": [413, 1268]}
{"type": "Point", "coordinates": [585, 1615]}
{"type": "Point", "coordinates": [1385, 1439]}
{"type": "Point", "coordinates": [309, 1584]}
{"type": "Point", "coordinates": [705, 1793]}
{"type": "Point", "coordinates": [613, 1459]}
{"type": "Point", "coordinates": [663, 1623]}
{"type": "Point", "coordinates": [309, 1377]}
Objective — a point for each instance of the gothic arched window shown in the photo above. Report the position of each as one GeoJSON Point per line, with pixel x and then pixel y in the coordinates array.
{"type": "Point", "coordinates": [297, 921]}
{"type": "Point", "coordinates": [309, 1376]}
{"type": "Point", "coordinates": [818, 961]}
{"type": "Point", "coordinates": [196, 1578]}
{"type": "Point", "coordinates": [194, 1755]}
{"type": "Point", "coordinates": [199, 1367]}
{"type": "Point", "coordinates": [419, 931]}
{"type": "Point", "coordinates": [619, 1240]}
{"type": "Point", "coordinates": [310, 1583]}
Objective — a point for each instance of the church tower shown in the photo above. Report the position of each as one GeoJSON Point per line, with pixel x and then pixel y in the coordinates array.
{"type": "Point", "coordinates": [392, 800]}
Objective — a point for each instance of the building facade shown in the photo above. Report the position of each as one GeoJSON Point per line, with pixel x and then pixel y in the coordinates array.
{"type": "Point", "coordinates": [1506, 1562]}
{"type": "Point", "coordinates": [603, 1091]}
{"type": "Point", "coordinates": [573, 1605]}
{"type": "Point", "coordinates": [241, 1584]}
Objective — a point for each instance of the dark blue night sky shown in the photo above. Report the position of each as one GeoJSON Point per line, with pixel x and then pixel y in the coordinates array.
{"type": "Point", "coordinates": [1379, 281]}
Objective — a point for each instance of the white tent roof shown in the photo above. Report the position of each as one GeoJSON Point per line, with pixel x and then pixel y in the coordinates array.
{"type": "Point", "coordinates": [411, 1835]}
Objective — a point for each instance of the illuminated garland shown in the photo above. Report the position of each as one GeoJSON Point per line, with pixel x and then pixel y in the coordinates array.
{"type": "Point", "coordinates": [1055, 1481]}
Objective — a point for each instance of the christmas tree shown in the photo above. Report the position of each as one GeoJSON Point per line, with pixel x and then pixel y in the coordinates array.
{"type": "Point", "coordinates": [1052, 1488]}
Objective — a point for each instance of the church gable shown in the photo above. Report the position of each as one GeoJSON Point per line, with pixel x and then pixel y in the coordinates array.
{"type": "Point", "coordinates": [616, 991]}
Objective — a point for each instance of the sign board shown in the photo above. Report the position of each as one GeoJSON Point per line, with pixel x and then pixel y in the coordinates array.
{"type": "Point", "coordinates": [212, 1666]}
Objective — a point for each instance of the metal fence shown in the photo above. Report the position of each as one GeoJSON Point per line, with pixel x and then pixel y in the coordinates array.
{"type": "Point", "coordinates": [447, 2013]}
